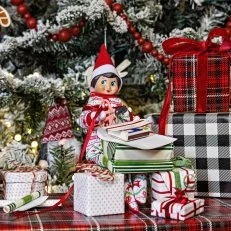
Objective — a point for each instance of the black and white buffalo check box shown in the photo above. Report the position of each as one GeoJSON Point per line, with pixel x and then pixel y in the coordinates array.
{"type": "Point", "coordinates": [206, 140]}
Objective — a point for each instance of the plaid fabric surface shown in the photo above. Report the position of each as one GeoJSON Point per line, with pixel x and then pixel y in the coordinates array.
{"type": "Point", "coordinates": [184, 76]}
{"type": "Point", "coordinates": [206, 140]}
{"type": "Point", "coordinates": [216, 217]}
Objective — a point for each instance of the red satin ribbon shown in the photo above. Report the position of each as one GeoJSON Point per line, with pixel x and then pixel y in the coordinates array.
{"type": "Point", "coordinates": [90, 130]}
{"type": "Point", "coordinates": [174, 46]}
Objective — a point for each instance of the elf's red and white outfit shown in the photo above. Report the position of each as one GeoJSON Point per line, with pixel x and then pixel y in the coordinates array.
{"type": "Point", "coordinates": [94, 150]}
{"type": "Point", "coordinates": [101, 108]}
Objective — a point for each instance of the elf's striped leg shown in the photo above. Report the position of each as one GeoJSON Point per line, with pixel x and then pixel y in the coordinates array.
{"type": "Point", "coordinates": [129, 197]}
{"type": "Point", "coordinates": [140, 188]}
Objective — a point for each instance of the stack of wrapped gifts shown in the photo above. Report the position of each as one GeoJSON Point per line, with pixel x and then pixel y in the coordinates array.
{"type": "Point", "coordinates": [145, 152]}
{"type": "Point", "coordinates": [201, 118]}
{"type": "Point", "coordinates": [200, 82]}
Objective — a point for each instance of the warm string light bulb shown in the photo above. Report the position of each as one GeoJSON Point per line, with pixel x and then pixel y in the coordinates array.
{"type": "Point", "coordinates": [8, 124]}
{"type": "Point", "coordinates": [34, 144]}
{"type": "Point", "coordinates": [18, 137]}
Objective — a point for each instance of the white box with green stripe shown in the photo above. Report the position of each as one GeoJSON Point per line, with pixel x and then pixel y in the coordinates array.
{"type": "Point", "coordinates": [127, 159]}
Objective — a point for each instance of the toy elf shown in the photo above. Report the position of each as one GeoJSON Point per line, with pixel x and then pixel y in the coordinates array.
{"type": "Point", "coordinates": [106, 108]}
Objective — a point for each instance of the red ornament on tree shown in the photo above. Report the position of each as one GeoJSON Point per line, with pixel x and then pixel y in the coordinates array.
{"type": "Point", "coordinates": [27, 15]}
{"type": "Point", "coordinates": [160, 57]}
{"type": "Point", "coordinates": [132, 29]}
{"type": "Point", "coordinates": [17, 2]}
{"type": "Point", "coordinates": [166, 61]}
{"type": "Point", "coordinates": [75, 30]}
{"type": "Point", "coordinates": [64, 35]}
{"type": "Point", "coordinates": [118, 7]}
{"type": "Point", "coordinates": [137, 35]}
{"type": "Point", "coordinates": [124, 17]}
{"type": "Point", "coordinates": [55, 37]}
{"type": "Point", "coordinates": [141, 41]}
{"type": "Point", "coordinates": [128, 23]}
{"type": "Point", "coordinates": [147, 47]}
{"type": "Point", "coordinates": [154, 52]}
{"type": "Point", "coordinates": [31, 23]}
{"type": "Point", "coordinates": [22, 9]}
{"type": "Point", "coordinates": [109, 2]}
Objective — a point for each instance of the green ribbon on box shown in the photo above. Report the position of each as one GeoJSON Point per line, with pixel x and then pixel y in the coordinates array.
{"type": "Point", "coordinates": [176, 173]}
{"type": "Point", "coordinates": [178, 162]}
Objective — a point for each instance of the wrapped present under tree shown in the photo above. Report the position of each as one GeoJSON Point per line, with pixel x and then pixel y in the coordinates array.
{"type": "Point", "coordinates": [22, 181]}
{"type": "Point", "coordinates": [165, 182]}
{"type": "Point", "coordinates": [177, 207]}
{"type": "Point", "coordinates": [94, 197]}
{"type": "Point", "coordinates": [205, 139]}
{"type": "Point", "coordinates": [199, 73]}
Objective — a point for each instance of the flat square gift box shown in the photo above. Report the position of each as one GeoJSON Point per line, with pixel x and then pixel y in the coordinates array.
{"type": "Point", "coordinates": [164, 182]}
{"type": "Point", "coordinates": [205, 139]}
{"type": "Point", "coordinates": [200, 73]}
{"type": "Point", "coordinates": [168, 208]}
{"type": "Point", "coordinates": [19, 184]}
{"type": "Point", "coordinates": [94, 197]}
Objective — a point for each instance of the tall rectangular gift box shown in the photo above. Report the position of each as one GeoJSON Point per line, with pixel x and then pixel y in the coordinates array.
{"type": "Point", "coordinates": [169, 208]}
{"type": "Point", "coordinates": [19, 184]}
{"type": "Point", "coordinates": [205, 139]}
{"type": "Point", "coordinates": [200, 73]}
{"type": "Point", "coordinates": [94, 197]}
{"type": "Point", "coordinates": [164, 182]}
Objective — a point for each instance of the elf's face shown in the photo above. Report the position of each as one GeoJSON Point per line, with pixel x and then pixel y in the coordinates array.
{"type": "Point", "coordinates": [106, 85]}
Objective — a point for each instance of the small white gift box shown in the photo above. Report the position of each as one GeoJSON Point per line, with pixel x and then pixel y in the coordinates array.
{"type": "Point", "coordinates": [94, 197]}
{"type": "Point", "coordinates": [165, 182]}
{"type": "Point", "coordinates": [168, 208]}
{"type": "Point", "coordinates": [19, 184]}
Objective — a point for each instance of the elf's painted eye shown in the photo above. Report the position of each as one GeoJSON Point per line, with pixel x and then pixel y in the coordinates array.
{"type": "Point", "coordinates": [103, 82]}
{"type": "Point", "coordinates": [113, 83]}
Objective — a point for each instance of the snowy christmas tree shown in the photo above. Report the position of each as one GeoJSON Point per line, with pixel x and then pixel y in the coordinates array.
{"type": "Point", "coordinates": [50, 44]}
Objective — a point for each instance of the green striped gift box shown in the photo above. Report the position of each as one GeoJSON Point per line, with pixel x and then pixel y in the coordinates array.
{"type": "Point", "coordinates": [139, 166]}
{"type": "Point", "coordinates": [114, 151]}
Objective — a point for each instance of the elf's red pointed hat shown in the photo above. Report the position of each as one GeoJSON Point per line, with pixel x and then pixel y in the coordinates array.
{"type": "Point", "coordinates": [104, 64]}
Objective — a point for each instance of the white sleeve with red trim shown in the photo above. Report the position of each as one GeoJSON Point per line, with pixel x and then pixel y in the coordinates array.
{"type": "Point", "coordinates": [87, 115]}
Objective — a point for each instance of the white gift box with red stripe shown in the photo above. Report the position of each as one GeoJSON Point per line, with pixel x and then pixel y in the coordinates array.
{"type": "Point", "coordinates": [163, 183]}
{"type": "Point", "coordinates": [168, 208]}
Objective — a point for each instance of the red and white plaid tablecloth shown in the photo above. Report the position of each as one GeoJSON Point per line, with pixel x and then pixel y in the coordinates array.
{"type": "Point", "coordinates": [217, 217]}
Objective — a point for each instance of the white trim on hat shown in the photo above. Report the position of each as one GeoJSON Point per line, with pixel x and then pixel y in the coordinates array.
{"type": "Point", "coordinates": [107, 68]}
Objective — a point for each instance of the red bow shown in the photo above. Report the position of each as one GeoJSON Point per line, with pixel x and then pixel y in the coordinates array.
{"type": "Point", "coordinates": [173, 46]}
{"type": "Point", "coordinates": [179, 197]}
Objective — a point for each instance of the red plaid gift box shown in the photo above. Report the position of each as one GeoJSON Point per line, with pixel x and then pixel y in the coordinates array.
{"type": "Point", "coordinates": [164, 182]}
{"type": "Point", "coordinates": [170, 208]}
{"type": "Point", "coordinates": [200, 73]}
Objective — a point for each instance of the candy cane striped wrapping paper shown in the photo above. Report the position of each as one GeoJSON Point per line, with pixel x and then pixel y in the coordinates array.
{"type": "Point", "coordinates": [163, 183]}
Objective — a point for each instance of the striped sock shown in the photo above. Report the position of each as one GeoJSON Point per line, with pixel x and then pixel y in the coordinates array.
{"type": "Point", "coordinates": [140, 188]}
{"type": "Point", "coordinates": [129, 197]}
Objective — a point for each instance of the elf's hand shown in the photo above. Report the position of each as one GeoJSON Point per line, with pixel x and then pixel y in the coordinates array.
{"type": "Point", "coordinates": [121, 110]}
{"type": "Point", "coordinates": [100, 117]}
{"type": "Point", "coordinates": [110, 113]}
